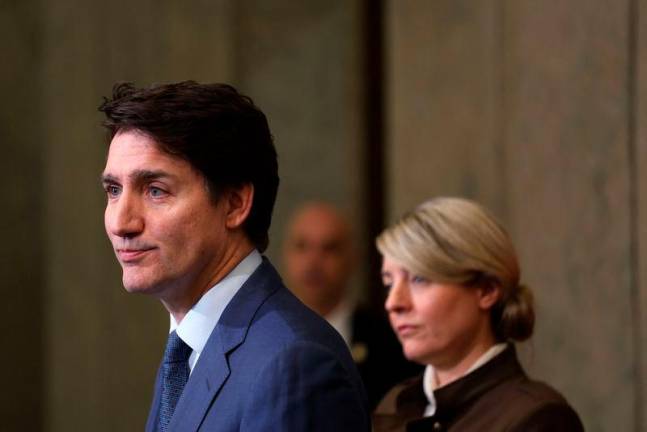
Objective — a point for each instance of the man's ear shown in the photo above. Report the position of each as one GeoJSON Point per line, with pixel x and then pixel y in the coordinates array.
{"type": "Point", "coordinates": [489, 294]}
{"type": "Point", "coordinates": [239, 205]}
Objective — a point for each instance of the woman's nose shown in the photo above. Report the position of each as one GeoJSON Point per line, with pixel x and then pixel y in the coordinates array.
{"type": "Point", "coordinates": [398, 299]}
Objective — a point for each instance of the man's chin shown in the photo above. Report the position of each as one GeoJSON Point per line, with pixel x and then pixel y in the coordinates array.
{"type": "Point", "coordinates": [137, 289]}
{"type": "Point", "coordinates": [139, 286]}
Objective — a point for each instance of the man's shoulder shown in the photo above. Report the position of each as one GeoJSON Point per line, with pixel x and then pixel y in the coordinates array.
{"type": "Point", "coordinates": [289, 320]}
{"type": "Point", "coordinates": [272, 317]}
{"type": "Point", "coordinates": [275, 346]}
{"type": "Point", "coordinates": [282, 330]}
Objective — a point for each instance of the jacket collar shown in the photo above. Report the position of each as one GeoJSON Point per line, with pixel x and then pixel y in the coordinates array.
{"type": "Point", "coordinates": [212, 369]}
{"type": "Point", "coordinates": [455, 397]}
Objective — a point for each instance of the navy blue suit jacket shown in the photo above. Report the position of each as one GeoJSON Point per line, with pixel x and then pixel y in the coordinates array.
{"type": "Point", "coordinates": [270, 364]}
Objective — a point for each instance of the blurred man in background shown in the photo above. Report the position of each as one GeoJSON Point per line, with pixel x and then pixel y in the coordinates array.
{"type": "Point", "coordinates": [319, 259]}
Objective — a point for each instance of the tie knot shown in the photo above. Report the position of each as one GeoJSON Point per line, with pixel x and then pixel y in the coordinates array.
{"type": "Point", "coordinates": [176, 349]}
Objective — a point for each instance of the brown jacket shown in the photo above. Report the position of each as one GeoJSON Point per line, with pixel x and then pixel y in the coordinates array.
{"type": "Point", "coordinates": [498, 396]}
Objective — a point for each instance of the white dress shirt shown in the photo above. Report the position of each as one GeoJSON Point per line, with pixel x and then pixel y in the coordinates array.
{"type": "Point", "coordinates": [429, 383]}
{"type": "Point", "coordinates": [341, 318]}
{"type": "Point", "coordinates": [199, 322]}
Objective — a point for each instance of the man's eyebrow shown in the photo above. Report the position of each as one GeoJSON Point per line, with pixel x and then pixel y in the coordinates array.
{"type": "Point", "coordinates": [138, 176]}
{"type": "Point", "coordinates": [108, 178]}
{"type": "Point", "coordinates": [148, 175]}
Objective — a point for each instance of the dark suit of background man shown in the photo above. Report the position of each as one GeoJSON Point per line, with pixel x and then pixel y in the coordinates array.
{"type": "Point", "coordinates": [191, 178]}
{"type": "Point", "coordinates": [319, 259]}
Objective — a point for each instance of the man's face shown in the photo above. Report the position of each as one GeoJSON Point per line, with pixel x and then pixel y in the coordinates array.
{"type": "Point", "coordinates": [317, 256]}
{"type": "Point", "coordinates": [166, 231]}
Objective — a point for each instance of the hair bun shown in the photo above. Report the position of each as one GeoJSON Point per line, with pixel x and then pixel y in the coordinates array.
{"type": "Point", "coordinates": [517, 315]}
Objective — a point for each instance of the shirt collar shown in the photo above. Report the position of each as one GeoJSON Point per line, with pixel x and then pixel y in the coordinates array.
{"type": "Point", "coordinates": [341, 319]}
{"type": "Point", "coordinates": [429, 377]}
{"type": "Point", "coordinates": [199, 322]}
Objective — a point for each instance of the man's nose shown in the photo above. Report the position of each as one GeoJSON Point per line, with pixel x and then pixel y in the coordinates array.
{"type": "Point", "coordinates": [124, 216]}
{"type": "Point", "coordinates": [398, 299]}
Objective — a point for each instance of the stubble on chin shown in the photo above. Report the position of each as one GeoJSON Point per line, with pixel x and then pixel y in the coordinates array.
{"type": "Point", "coordinates": [136, 283]}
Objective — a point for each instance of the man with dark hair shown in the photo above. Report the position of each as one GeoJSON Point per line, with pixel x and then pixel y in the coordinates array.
{"type": "Point", "coordinates": [191, 178]}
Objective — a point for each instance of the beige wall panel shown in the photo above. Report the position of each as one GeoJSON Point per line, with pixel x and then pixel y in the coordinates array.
{"type": "Point", "coordinates": [20, 255]}
{"type": "Point", "coordinates": [103, 346]}
{"type": "Point", "coordinates": [300, 62]}
{"type": "Point", "coordinates": [442, 103]}
{"type": "Point", "coordinates": [568, 197]}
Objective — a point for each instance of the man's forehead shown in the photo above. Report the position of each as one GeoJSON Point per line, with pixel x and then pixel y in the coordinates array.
{"type": "Point", "coordinates": [320, 218]}
{"type": "Point", "coordinates": [320, 232]}
{"type": "Point", "coordinates": [132, 152]}
{"type": "Point", "coordinates": [133, 143]}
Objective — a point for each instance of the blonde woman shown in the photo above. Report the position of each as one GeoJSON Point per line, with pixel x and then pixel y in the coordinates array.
{"type": "Point", "coordinates": [457, 306]}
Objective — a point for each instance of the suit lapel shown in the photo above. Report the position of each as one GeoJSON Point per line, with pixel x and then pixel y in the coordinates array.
{"type": "Point", "coordinates": [212, 368]}
{"type": "Point", "coordinates": [208, 376]}
{"type": "Point", "coordinates": [151, 423]}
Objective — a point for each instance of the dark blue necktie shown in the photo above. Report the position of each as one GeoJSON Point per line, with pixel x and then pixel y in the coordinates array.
{"type": "Point", "coordinates": [175, 374]}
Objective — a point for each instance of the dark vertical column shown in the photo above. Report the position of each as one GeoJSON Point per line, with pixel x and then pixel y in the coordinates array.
{"type": "Point", "coordinates": [21, 275]}
{"type": "Point", "coordinates": [373, 149]}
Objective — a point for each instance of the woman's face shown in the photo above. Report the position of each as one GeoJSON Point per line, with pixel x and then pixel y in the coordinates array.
{"type": "Point", "coordinates": [437, 323]}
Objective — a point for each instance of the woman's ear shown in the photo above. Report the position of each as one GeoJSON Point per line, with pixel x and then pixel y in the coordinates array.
{"type": "Point", "coordinates": [239, 205]}
{"type": "Point", "coordinates": [489, 294]}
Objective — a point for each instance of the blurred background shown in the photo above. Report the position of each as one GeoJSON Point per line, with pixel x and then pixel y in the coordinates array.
{"type": "Point", "coordinates": [537, 109]}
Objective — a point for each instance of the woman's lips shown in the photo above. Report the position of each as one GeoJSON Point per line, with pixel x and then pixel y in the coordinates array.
{"type": "Point", "coordinates": [132, 255]}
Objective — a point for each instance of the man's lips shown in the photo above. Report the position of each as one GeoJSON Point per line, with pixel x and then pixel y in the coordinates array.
{"type": "Point", "coordinates": [405, 330]}
{"type": "Point", "coordinates": [132, 255]}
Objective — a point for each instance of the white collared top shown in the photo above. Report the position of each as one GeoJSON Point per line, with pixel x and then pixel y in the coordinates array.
{"type": "Point", "coordinates": [429, 378]}
{"type": "Point", "coordinates": [341, 318]}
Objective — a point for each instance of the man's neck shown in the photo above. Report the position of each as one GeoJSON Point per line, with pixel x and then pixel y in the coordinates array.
{"type": "Point", "coordinates": [327, 306]}
{"type": "Point", "coordinates": [180, 305]}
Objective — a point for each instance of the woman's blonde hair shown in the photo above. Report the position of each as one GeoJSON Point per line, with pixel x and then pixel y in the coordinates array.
{"type": "Point", "coordinates": [455, 240]}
